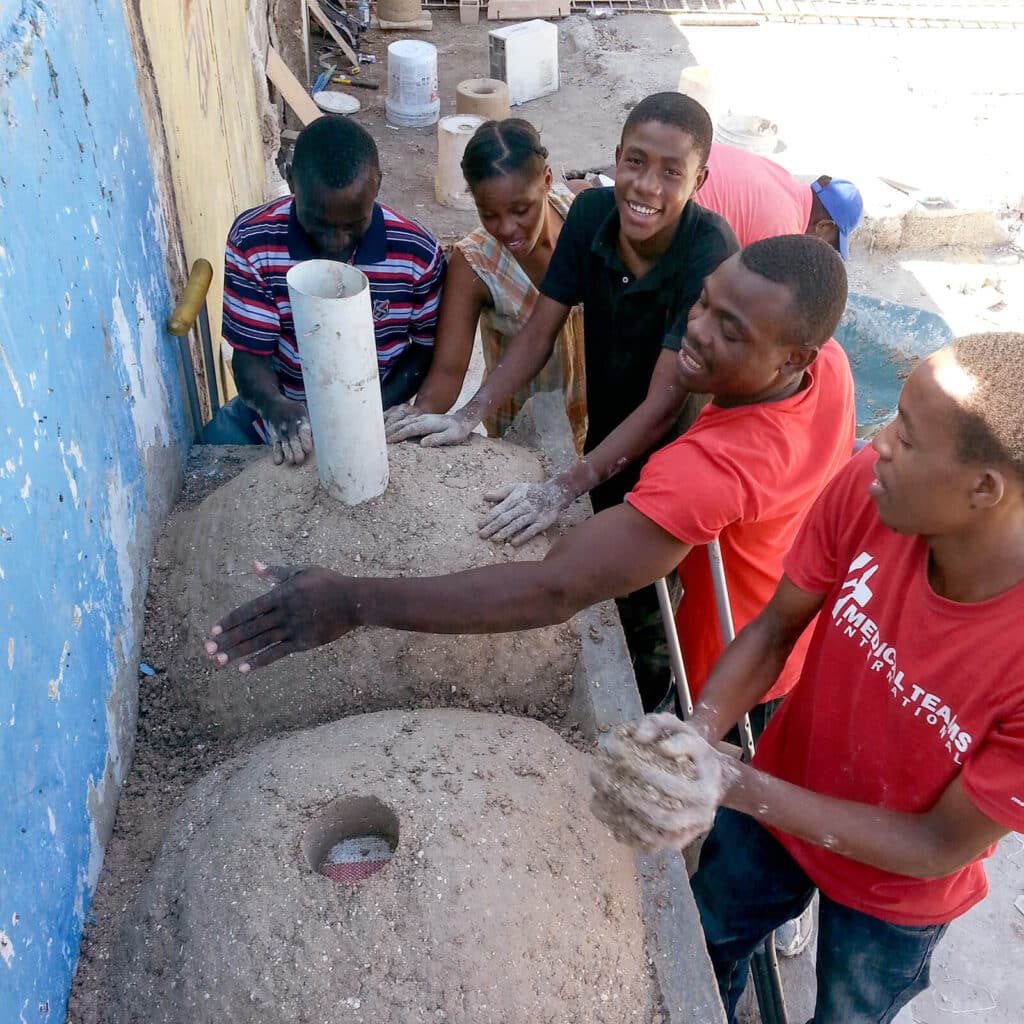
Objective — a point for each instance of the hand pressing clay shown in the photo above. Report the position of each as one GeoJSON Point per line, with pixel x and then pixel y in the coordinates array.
{"type": "Point", "coordinates": [657, 784]}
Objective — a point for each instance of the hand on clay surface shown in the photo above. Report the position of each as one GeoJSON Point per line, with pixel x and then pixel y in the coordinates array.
{"type": "Point", "coordinates": [397, 417]}
{"type": "Point", "coordinates": [306, 608]}
{"type": "Point", "coordinates": [433, 429]}
{"type": "Point", "coordinates": [290, 432]}
{"type": "Point", "coordinates": [523, 510]}
{"type": "Point", "coordinates": [658, 784]}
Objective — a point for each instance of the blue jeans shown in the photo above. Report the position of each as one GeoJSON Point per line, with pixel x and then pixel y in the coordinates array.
{"type": "Point", "coordinates": [747, 885]}
{"type": "Point", "coordinates": [232, 424]}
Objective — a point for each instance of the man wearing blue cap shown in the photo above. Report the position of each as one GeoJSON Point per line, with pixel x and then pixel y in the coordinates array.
{"type": "Point", "coordinates": [760, 199]}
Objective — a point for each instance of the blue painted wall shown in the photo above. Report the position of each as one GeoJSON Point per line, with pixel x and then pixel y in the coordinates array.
{"type": "Point", "coordinates": [92, 441]}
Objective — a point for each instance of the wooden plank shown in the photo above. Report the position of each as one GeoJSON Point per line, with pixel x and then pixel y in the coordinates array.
{"type": "Point", "coordinates": [291, 88]}
{"type": "Point", "coordinates": [328, 26]}
{"type": "Point", "coordinates": [506, 10]}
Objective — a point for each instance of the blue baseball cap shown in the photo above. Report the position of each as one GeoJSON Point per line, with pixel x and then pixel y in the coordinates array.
{"type": "Point", "coordinates": [843, 204]}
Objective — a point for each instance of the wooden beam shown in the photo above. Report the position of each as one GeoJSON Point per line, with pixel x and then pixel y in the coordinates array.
{"type": "Point", "coordinates": [328, 26]}
{"type": "Point", "coordinates": [290, 88]}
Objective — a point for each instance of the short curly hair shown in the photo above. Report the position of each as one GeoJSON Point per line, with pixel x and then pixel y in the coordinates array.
{"type": "Point", "coordinates": [815, 275]}
{"type": "Point", "coordinates": [679, 111]}
{"type": "Point", "coordinates": [992, 403]}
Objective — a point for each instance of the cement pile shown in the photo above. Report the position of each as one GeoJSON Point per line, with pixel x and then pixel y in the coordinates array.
{"type": "Point", "coordinates": [504, 900]}
{"type": "Point", "coordinates": [424, 524]}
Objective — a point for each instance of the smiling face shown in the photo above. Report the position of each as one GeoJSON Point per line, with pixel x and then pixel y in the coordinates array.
{"type": "Point", "coordinates": [513, 208]}
{"type": "Point", "coordinates": [336, 218]}
{"type": "Point", "coordinates": [736, 346]}
{"type": "Point", "coordinates": [922, 485]}
{"type": "Point", "coordinates": [657, 170]}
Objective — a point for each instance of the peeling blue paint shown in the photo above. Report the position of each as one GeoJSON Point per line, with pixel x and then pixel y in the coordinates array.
{"type": "Point", "coordinates": [92, 438]}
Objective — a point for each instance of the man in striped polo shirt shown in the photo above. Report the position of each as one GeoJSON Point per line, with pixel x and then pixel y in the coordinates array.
{"type": "Point", "coordinates": [333, 214]}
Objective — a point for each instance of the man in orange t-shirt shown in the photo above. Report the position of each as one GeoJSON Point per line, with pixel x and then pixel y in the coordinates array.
{"type": "Point", "coordinates": [779, 426]}
{"type": "Point", "coordinates": [760, 199]}
{"type": "Point", "coordinates": [754, 470]}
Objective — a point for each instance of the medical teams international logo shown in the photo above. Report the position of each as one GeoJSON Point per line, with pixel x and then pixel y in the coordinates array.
{"type": "Point", "coordinates": [848, 615]}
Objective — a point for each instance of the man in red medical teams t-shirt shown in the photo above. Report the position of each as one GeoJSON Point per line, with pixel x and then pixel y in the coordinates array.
{"type": "Point", "coordinates": [897, 761]}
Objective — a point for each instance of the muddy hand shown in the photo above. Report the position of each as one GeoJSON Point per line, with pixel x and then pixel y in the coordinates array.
{"type": "Point", "coordinates": [521, 511]}
{"type": "Point", "coordinates": [433, 429]}
{"type": "Point", "coordinates": [306, 608]}
{"type": "Point", "coordinates": [658, 784]}
{"type": "Point", "coordinates": [397, 417]}
{"type": "Point", "coordinates": [290, 433]}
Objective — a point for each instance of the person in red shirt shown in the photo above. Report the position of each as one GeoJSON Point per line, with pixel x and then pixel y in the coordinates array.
{"type": "Point", "coordinates": [759, 469]}
{"type": "Point", "coordinates": [760, 199]}
{"type": "Point", "coordinates": [779, 426]}
{"type": "Point", "coordinates": [895, 764]}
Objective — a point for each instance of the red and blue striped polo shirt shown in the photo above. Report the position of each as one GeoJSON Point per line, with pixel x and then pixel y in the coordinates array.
{"type": "Point", "coordinates": [404, 265]}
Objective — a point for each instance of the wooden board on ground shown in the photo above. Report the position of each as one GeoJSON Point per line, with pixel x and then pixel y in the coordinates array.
{"type": "Point", "coordinates": [291, 88]}
{"type": "Point", "coordinates": [508, 10]}
{"type": "Point", "coordinates": [424, 23]}
{"type": "Point", "coordinates": [328, 26]}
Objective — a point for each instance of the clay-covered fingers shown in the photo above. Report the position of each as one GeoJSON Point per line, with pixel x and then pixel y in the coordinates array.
{"type": "Point", "coordinates": [521, 513]}
{"type": "Point", "coordinates": [395, 419]}
{"type": "Point", "coordinates": [657, 726]}
{"type": "Point", "coordinates": [297, 443]}
{"type": "Point", "coordinates": [433, 429]}
{"type": "Point", "coordinates": [291, 434]}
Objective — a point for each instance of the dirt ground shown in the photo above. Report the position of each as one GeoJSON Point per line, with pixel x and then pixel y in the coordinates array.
{"type": "Point", "coordinates": [503, 900]}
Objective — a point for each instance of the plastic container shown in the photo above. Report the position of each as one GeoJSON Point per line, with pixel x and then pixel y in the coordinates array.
{"type": "Point", "coordinates": [413, 100]}
{"type": "Point", "coordinates": [334, 328]}
{"type": "Point", "coordinates": [748, 131]}
{"type": "Point", "coordinates": [698, 83]}
{"type": "Point", "coordinates": [525, 57]}
{"type": "Point", "coordinates": [453, 133]}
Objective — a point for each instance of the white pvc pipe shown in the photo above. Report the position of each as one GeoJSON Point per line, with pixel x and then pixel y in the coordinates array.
{"type": "Point", "coordinates": [334, 328]}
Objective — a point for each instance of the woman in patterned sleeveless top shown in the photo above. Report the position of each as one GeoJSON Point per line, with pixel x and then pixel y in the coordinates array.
{"type": "Point", "coordinates": [494, 273]}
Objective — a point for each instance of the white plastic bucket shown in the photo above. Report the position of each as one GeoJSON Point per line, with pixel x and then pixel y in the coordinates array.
{"type": "Point", "coordinates": [413, 100]}
{"type": "Point", "coordinates": [334, 329]}
{"type": "Point", "coordinates": [748, 131]}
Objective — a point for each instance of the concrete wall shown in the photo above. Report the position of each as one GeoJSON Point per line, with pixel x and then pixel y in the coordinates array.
{"type": "Point", "coordinates": [206, 58]}
{"type": "Point", "coordinates": [92, 442]}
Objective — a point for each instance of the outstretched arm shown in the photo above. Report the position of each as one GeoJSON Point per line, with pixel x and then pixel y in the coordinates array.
{"type": "Point", "coordinates": [525, 356]}
{"type": "Point", "coordinates": [523, 510]}
{"type": "Point", "coordinates": [931, 844]}
{"type": "Point", "coordinates": [751, 664]}
{"type": "Point", "coordinates": [611, 554]}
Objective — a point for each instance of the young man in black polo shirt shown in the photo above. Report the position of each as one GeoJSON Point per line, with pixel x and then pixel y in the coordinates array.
{"type": "Point", "coordinates": [636, 256]}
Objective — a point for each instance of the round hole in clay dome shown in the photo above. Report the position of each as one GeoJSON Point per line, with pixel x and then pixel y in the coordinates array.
{"type": "Point", "coordinates": [351, 839]}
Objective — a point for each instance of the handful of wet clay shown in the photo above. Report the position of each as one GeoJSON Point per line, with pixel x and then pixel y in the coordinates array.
{"type": "Point", "coordinates": [657, 783]}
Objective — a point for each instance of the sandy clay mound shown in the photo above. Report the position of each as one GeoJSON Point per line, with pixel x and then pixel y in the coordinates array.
{"type": "Point", "coordinates": [504, 900]}
{"type": "Point", "coordinates": [424, 524]}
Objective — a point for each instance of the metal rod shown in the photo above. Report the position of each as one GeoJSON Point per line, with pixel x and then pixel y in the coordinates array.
{"type": "Point", "coordinates": [675, 652]}
{"type": "Point", "coordinates": [209, 367]}
{"type": "Point", "coordinates": [728, 633]}
{"type": "Point", "coordinates": [189, 373]}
